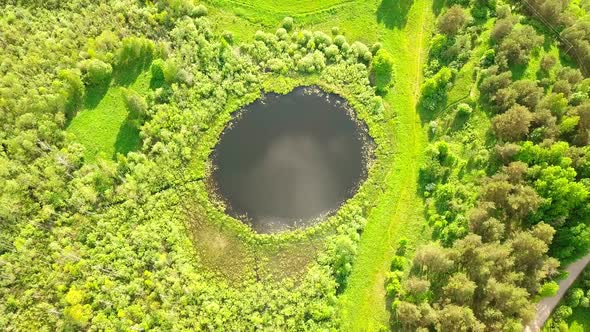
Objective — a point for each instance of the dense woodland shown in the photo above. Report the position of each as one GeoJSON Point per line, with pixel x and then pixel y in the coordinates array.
{"type": "Point", "coordinates": [123, 241]}
{"type": "Point", "coordinates": [513, 205]}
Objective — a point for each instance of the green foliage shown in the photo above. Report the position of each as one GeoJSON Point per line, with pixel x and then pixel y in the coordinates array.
{"type": "Point", "coordinates": [73, 92]}
{"type": "Point", "coordinates": [382, 70]}
{"type": "Point", "coordinates": [287, 23]}
{"type": "Point", "coordinates": [573, 311]}
{"type": "Point", "coordinates": [109, 261]}
{"type": "Point", "coordinates": [548, 289]}
{"type": "Point", "coordinates": [435, 88]}
{"type": "Point", "coordinates": [135, 52]}
{"type": "Point", "coordinates": [452, 20]}
{"type": "Point", "coordinates": [96, 72]}
{"type": "Point", "coordinates": [343, 253]}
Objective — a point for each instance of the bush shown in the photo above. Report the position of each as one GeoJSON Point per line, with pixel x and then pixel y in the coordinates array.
{"type": "Point", "coordinates": [464, 109]}
{"type": "Point", "coordinates": [375, 48]}
{"type": "Point", "coordinates": [574, 297]}
{"type": "Point", "coordinates": [135, 52]}
{"type": "Point", "coordinates": [382, 70]}
{"type": "Point", "coordinates": [398, 263]}
{"type": "Point", "coordinates": [201, 10]}
{"type": "Point", "coordinates": [228, 36]}
{"type": "Point", "coordinates": [96, 72]}
{"type": "Point", "coordinates": [549, 289]}
{"type": "Point", "coordinates": [339, 40]}
{"type": "Point", "coordinates": [435, 88]}
{"type": "Point", "coordinates": [287, 23]}
{"type": "Point", "coordinates": [136, 104]}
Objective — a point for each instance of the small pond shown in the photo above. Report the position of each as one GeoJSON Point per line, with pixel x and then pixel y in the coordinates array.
{"type": "Point", "coordinates": [288, 161]}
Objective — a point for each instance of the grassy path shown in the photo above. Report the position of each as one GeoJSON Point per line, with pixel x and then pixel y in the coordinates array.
{"type": "Point", "coordinates": [399, 211]}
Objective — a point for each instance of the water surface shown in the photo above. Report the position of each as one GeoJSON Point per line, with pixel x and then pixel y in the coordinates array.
{"type": "Point", "coordinates": [286, 161]}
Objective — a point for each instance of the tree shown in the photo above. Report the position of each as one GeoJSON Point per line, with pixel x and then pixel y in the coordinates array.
{"type": "Point", "coordinates": [549, 10]}
{"type": "Point", "coordinates": [514, 124]}
{"type": "Point", "coordinates": [408, 314]}
{"type": "Point", "coordinates": [459, 289]}
{"type": "Point", "coordinates": [382, 70]}
{"type": "Point", "coordinates": [517, 45]}
{"type": "Point", "coordinates": [483, 224]}
{"type": "Point", "coordinates": [431, 259]}
{"type": "Point", "coordinates": [563, 195]}
{"type": "Point", "coordinates": [73, 92]}
{"type": "Point", "coordinates": [452, 20]}
{"type": "Point", "coordinates": [458, 318]}
{"type": "Point", "coordinates": [343, 252]}
{"type": "Point", "coordinates": [502, 28]}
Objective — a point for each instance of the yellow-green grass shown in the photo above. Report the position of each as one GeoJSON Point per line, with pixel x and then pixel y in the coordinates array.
{"type": "Point", "coordinates": [403, 27]}
{"type": "Point", "coordinates": [399, 211]}
{"type": "Point", "coordinates": [102, 126]}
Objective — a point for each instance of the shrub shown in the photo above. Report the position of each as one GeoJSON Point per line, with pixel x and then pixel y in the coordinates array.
{"type": "Point", "coordinates": [434, 89]}
{"type": "Point", "coordinates": [96, 72]}
{"type": "Point", "coordinates": [464, 109]}
{"type": "Point", "coordinates": [375, 48]}
{"type": "Point", "coordinates": [136, 104]}
{"type": "Point", "coordinates": [549, 289]}
{"type": "Point", "coordinates": [287, 23]}
{"type": "Point", "coordinates": [228, 36]}
{"type": "Point", "coordinates": [382, 70]}
{"type": "Point", "coordinates": [340, 40]}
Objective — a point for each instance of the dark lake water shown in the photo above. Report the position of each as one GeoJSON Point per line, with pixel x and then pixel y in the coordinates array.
{"type": "Point", "coordinates": [286, 161]}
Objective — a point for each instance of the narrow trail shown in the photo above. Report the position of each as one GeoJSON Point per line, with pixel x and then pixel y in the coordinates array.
{"type": "Point", "coordinates": [398, 212]}
{"type": "Point", "coordinates": [545, 306]}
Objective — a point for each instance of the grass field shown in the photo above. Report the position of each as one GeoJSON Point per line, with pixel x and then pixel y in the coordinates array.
{"type": "Point", "coordinates": [101, 125]}
{"type": "Point", "coordinates": [399, 211]}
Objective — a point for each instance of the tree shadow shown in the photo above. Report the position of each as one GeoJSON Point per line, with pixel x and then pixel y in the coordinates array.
{"type": "Point", "coordinates": [394, 13]}
{"type": "Point", "coordinates": [126, 74]}
{"type": "Point", "coordinates": [156, 83]}
{"type": "Point", "coordinates": [95, 93]}
{"type": "Point", "coordinates": [518, 71]}
{"type": "Point", "coordinates": [459, 121]}
{"type": "Point", "coordinates": [437, 6]}
{"type": "Point", "coordinates": [127, 139]}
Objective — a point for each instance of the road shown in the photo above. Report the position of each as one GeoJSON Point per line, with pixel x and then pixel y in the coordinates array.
{"type": "Point", "coordinates": [546, 306]}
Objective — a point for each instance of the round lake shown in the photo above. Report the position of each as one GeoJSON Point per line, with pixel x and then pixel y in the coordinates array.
{"type": "Point", "coordinates": [286, 161]}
